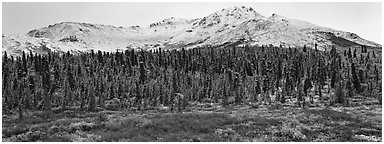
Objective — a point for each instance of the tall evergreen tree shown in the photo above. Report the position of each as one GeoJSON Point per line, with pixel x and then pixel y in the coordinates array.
{"type": "Point", "coordinates": [356, 81]}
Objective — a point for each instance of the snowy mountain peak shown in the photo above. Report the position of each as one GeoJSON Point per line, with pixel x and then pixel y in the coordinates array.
{"type": "Point", "coordinates": [66, 29]}
{"type": "Point", "coordinates": [237, 25]}
{"type": "Point", "coordinates": [230, 16]}
{"type": "Point", "coordinates": [239, 9]}
{"type": "Point", "coordinates": [238, 12]}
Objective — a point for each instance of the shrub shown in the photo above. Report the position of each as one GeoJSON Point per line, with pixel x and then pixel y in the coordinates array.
{"type": "Point", "coordinates": [276, 106]}
{"type": "Point", "coordinates": [112, 104]}
{"type": "Point", "coordinates": [82, 126]}
{"type": "Point", "coordinates": [291, 130]}
{"type": "Point", "coordinates": [80, 136]}
{"type": "Point", "coordinates": [7, 132]}
{"type": "Point", "coordinates": [35, 136]}
{"type": "Point", "coordinates": [56, 129]}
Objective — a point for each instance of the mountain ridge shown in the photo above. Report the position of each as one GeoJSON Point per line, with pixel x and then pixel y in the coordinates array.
{"type": "Point", "coordinates": [232, 25]}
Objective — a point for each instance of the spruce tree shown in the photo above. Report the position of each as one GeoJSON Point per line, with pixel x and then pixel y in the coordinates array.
{"type": "Point", "coordinates": [356, 81]}
{"type": "Point", "coordinates": [5, 79]}
{"type": "Point", "coordinates": [91, 96]}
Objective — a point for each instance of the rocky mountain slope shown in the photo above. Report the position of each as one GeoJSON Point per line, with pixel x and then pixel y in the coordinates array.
{"type": "Point", "coordinates": [235, 25]}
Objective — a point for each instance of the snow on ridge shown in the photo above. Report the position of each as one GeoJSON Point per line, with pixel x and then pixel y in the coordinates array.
{"type": "Point", "coordinates": [232, 15]}
{"type": "Point", "coordinates": [170, 21]}
{"type": "Point", "coordinates": [230, 25]}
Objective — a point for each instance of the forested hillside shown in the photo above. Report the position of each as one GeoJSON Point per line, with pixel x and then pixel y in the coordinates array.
{"type": "Point", "coordinates": [142, 80]}
{"type": "Point", "coordinates": [173, 81]}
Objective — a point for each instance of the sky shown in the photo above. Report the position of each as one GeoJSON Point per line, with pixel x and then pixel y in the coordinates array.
{"type": "Point", "coordinates": [362, 18]}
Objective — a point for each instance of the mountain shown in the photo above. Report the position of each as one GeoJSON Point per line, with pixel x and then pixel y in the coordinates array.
{"type": "Point", "coordinates": [231, 26]}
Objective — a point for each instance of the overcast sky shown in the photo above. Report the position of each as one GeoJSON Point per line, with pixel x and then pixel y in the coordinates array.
{"type": "Point", "coordinates": [363, 19]}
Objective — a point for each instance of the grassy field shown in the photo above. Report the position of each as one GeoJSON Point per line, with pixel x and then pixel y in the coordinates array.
{"type": "Point", "coordinates": [361, 121]}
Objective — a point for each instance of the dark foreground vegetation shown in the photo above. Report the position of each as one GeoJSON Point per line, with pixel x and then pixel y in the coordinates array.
{"type": "Point", "coordinates": [242, 123]}
{"type": "Point", "coordinates": [206, 94]}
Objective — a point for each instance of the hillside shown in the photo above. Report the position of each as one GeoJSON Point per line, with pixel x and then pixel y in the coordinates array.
{"type": "Point", "coordinates": [249, 94]}
{"type": "Point", "coordinates": [234, 25]}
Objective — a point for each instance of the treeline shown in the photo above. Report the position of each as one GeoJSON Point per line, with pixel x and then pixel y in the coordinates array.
{"type": "Point", "coordinates": [141, 79]}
